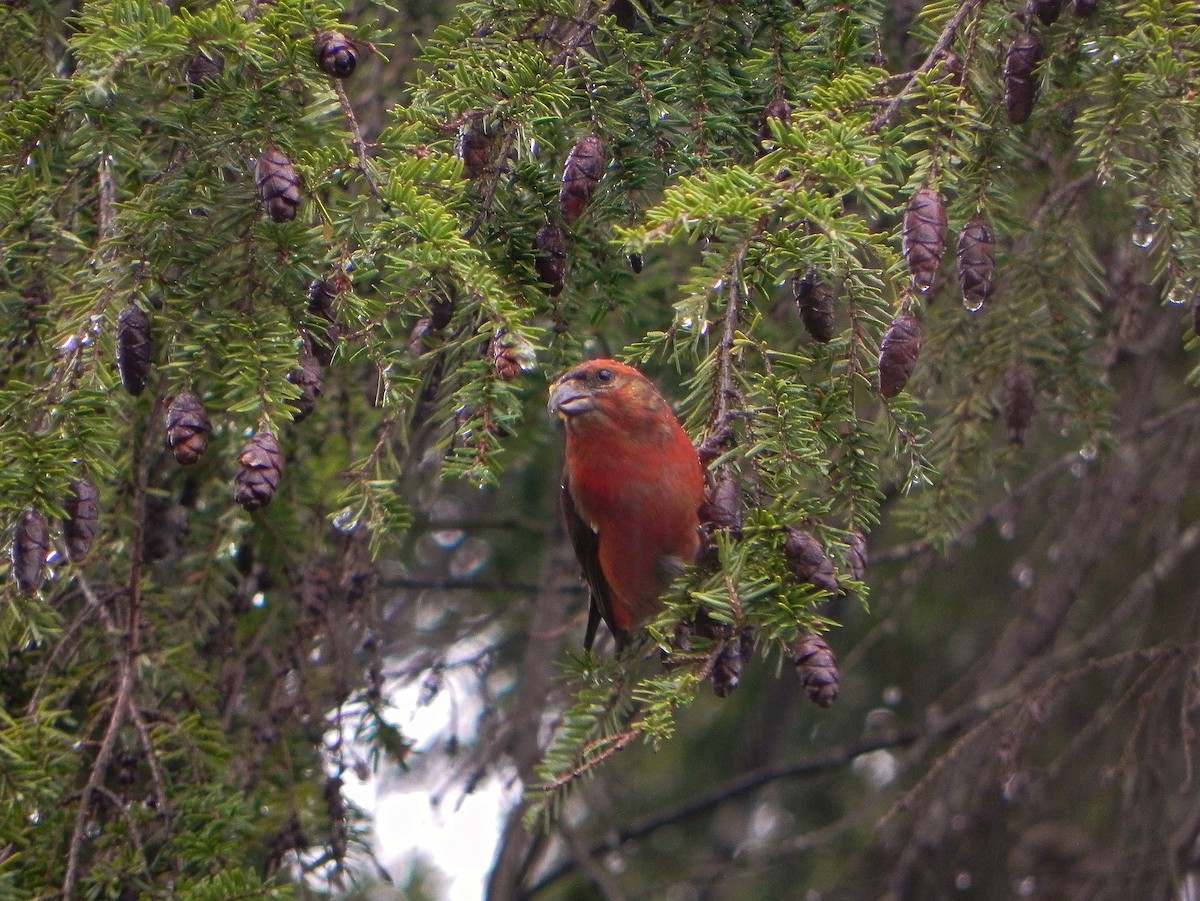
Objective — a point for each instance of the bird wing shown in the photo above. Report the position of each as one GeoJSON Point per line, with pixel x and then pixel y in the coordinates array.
{"type": "Point", "coordinates": [586, 542]}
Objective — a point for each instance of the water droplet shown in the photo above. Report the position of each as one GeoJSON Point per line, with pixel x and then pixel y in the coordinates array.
{"type": "Point", "coordinates": [35, 817]}
{"type": "Point", "coordinates": [1182, 292]}
{"type": "Point", "coordinates": [1026, 887]}
{"type": "Point", "coordinates": [1008, 530]}
{"type": "Point", "coordinates": [470, 558]}
{"type": "Point", "coordinates": [91, 830]}
{"type": "Point", "coordinates": [1144, 231]}
{"type": "Point", "coordinates": [259, 600]}
{"type": "Point", "coordinates": [1022, 574]}
{"type": "Point", "coordinates": [892, 695]}
{"type": "Point", "coordinates": [1089, 452]}
{"type": "Point", "coordinates": [973, 304]}
{"type": "Point", "coordinates": [962, 881]}
{"type": "Point", "coordinates": [926, 288]}
{"type": "Point", "coordinates": [346, 520]}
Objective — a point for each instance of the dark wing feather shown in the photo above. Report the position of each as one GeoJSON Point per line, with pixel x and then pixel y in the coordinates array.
{"type": "Point", "coordinates": [587, 549]}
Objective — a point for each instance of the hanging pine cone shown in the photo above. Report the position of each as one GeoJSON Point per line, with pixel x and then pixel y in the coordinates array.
{"type": "Point", "coordinates": [898, 353]}
{"type": "Point", "coordinates": [636, 262]}
{"type": "Point", "coordinates": [133, 348]}
{"type": "Point", "coordinates": [1085, 9]}
{"type": "Point", "coordinates": [505, 360]}
{"type": "Point", "coordinates": [474, 146]}
{"type": "Point", "coordinates": [306, 377]}
{"type": "Point", "coordinates": [82, 507]}
{"type": "Point", "coordinates": [856, 555]}
{"type": "Point", "coordinates": [30, 543]}
{"type": "Point", "coordinates": [953, 69]}
{"type": "Point", "coordinates": [727, 668]}
{"type": "Point", "coordinates": [814, 299]}
{"type": "Point", "coordinates": [976, 259]}
{"type": "Point", "coordinates": [187, 428]}
{"type": "Point", "coordinates": [583, 171]}
{"type": "Point", "coordinates": [551, 259]}
{"type": "Point", "coordinates": [278, 184]}
{"type": "Point", "coordinates": [723, 508]}
{"type": "Point", "coordinates": [1020, 80]}
{"type": "Point", "coordinates": [337, 55]}
{"type": "Point", "coordinates": [204, 68]}
{"type": "Point", "coordinates": [441, 309]}
{"type": "Point", "coordinates": [924, 236]}
{"type": "Point", "coordinates": [817, 669]}
{"type": "Point", "coordinates": [807, 560]}
{"type": "Point", "coordinates": [1046, 10]}
{"type": "Point", "coordinates": [260, 467]}
{"type": "Point", "coordinates": [779, 110]}
{"type": "Point", "coordinates": [1020, 401]}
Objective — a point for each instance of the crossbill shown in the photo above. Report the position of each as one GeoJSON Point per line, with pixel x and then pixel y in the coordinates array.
{"type": "Point", "coordinates": [632, 487]}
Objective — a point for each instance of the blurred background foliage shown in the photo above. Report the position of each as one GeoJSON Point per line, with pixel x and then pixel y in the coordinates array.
{"type": "Point", "coordinates": [377, 271]}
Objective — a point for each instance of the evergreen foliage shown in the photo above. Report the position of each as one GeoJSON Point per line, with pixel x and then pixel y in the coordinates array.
{"type": "Point", "coordinates": [177, 703]}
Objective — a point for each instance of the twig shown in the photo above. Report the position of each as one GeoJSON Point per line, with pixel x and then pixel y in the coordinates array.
{"type": "Point", "coordinates": [359, 143]}
{"type": "Point", "coordinates": [945, 39]}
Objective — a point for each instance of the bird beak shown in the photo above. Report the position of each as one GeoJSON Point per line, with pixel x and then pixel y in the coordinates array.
{"type": "Point", "coordinates": [569, 398]}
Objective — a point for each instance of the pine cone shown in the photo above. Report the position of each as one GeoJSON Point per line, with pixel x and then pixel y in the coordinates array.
{"type": "Point", "coordinates": [584, 168]}
{"type": "Point", "coordinates": [723, 508]}
{"type": "Point", "coordinates": [817, 669]}
{"type": "Point", "coordinates": [814, 299]}
{"type": "Point", "coordinates": [203, 68]}
{"type": "Point", "coordinates": [30, 543]}
{"type": "Point", "coordinates": [924, 236]}
{"type": "Point", "coordinates": [1046, 10]}
{"type": "Point", "coordinates": [261, 465]}
{"type": "Point", "coordinates": [1020, 81]}
{"type": "Point", "coordinates": [83, 516]}
{"type": "Point", "coordinates": [898, 353]}
{"type": "Point", "coordinates": [306, 377]}
{"type": "Point", "coordinates": [976, 259]}
{"type": "Point", "coordinates": [504, 358]}
{"type": "Point", "coordinates": [807, 561]}
{"type": "Point", "coordinates": [778, 109]}
{"type": "Point", "coordinates": [133, 348]}
{"type": "Point", "coordinates": [1020, 400]}
{"type": "Point", "coordinates": [952, 68]}
{"type": "Point", "coordinates": [857, 555]}
{"type": "Point", "coordinates": [727, 669]}
{"type": "Point", "coordinates": [551, 260]}
{"type": "Point", "coordinates": [1085, 9]}
{"type": "Point", "coordinates": [187, 428]}
{"type": "Point", "coordinates": [337, 55]}
{"type": "Point", "coordinates": [474, 146]}
{"type": "Point", "coordinates": [636, 262]}
{"type": "Point", "coordinates": [278, 184]}
{"type": "Point", "coordinates": [441, 310]}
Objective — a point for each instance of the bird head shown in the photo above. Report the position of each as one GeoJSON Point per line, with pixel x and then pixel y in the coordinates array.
{"type": "Point", "coordinates": [602, 389]}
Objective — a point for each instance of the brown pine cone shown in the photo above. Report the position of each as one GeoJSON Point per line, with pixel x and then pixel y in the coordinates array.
{"type": "Point", "coordinates": [187, 428]}
{"type": "Point", "coordinates": [581, 175]}
{"type": "Point", "coordinates": [924, 236]}
{"type": "Point", "coordinates": [203, 68]}
{"type": "Point", "coordinates": [1020, 79]}
{"type": "Point", "coordinates": [551, 260]}
{"type": "Point", "coordinates": [778, 109]}
{"type": "Point", "coordinates": [723, 508]}
{"type": "Point", "coordinates": [856, 555]}
{"type": "Point", "coordinates": [30, 543]}
{"type": "Point", "coordinates": [134, 349]}
{"type": "Point", "coordinates": [817, 669]}
{"type": "Point", "coordinates": [976, 260]}
{"type": "Point", "coordinates": [337, 55]}
{"type": "Point", "coordinates": [278, 184]}
{"type": "Point", "coordinates": [814, 299]}
{"type": "Point", "coordinates": [1046, 10]}
{"type": "Point", "coordinates": [474, 146]}
{"type": "Point", "coordinates": [898, 353]}
{"type": "Point", "coordinates": [727, 669]}
{"type": "Point", "coordinates": [505, 360]}
{"type": "Point", "coordinates": [807, 560]}
{"type": "Point", "coordinates": [1020, 401]}
{"type": "Point", "coordinates": [83, 517]}
{"type": "Point", "coordinates": [306, 377]}
{"type": "Point", "coordinates": [260, 468]}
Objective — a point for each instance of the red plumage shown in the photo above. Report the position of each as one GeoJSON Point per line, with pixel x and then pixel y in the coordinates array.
{"type": "Point", "coordinates": [631, 491]}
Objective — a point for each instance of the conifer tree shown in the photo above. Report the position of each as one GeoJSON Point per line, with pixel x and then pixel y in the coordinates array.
{"type": "Point", "coordinates": [283, 318]}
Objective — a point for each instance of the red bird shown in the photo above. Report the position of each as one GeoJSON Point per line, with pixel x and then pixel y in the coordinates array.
{"type": "Point", "coordinates": [632, 487]}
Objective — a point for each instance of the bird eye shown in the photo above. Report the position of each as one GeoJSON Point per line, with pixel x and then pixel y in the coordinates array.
{"type": "Point", "coordinates": [604, 375]}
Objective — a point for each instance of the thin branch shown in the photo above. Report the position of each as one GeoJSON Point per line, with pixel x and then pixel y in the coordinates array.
{"type": "Point", "coordinates": [938, 51]}
{"type": "Point", "coordinates": [359, 143]}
